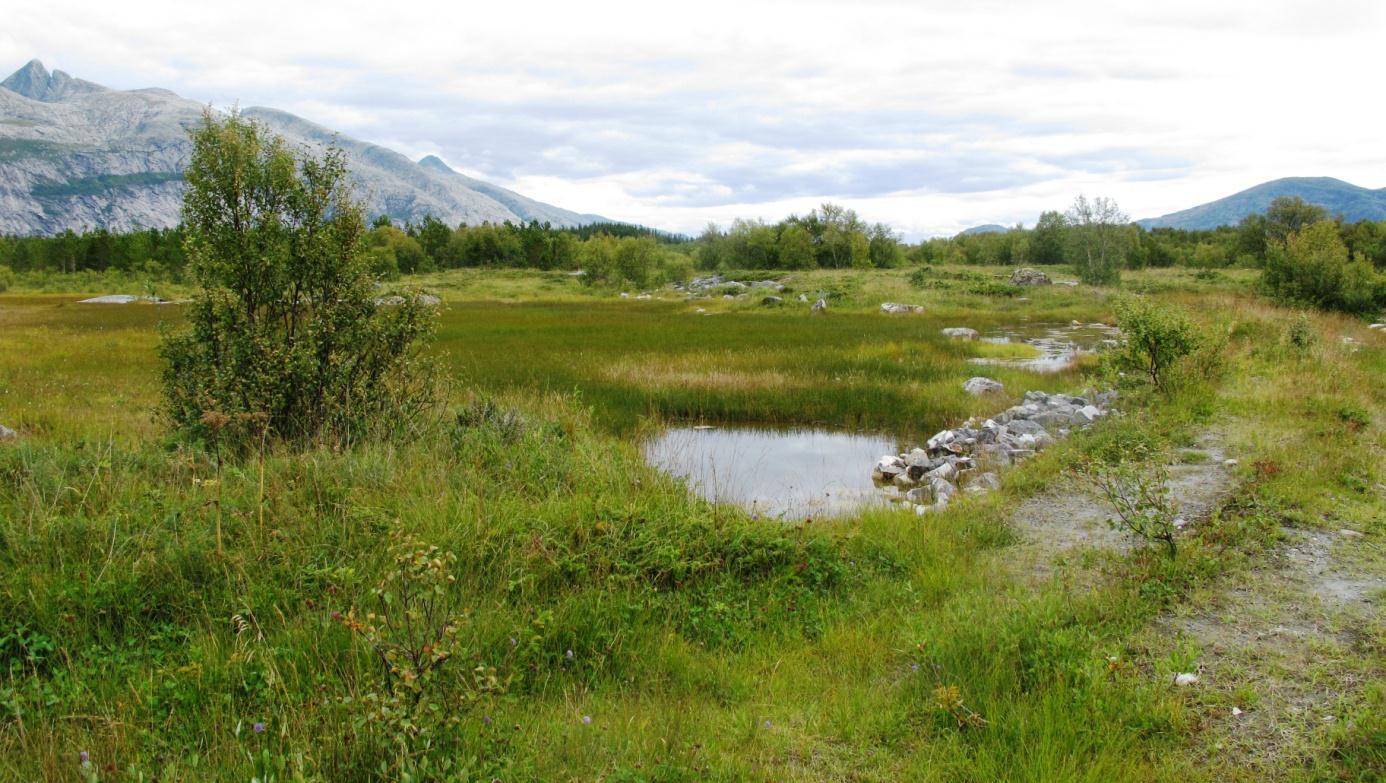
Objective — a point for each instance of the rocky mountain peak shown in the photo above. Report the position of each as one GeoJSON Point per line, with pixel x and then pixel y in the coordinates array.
{"type": "Point", "coordinates": [33, 81]}
{"type": "Point", "coordinates": [435, 163]}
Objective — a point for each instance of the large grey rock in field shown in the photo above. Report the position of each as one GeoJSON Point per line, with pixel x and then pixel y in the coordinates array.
{"type": "Point", "coordinates": [981, 385]}
{"type": "Point", "coordinates": [961, 332]}
{"type": "Point", "coordinates": [1028, 276]}
{"type": "Point", "coordinates": [111, 299]}
{"type": "Point", "coordinates": [896, 307]}
{"type": "Point", "coordinates": [821, 306]}
{"type": "Point", "coordinates": [7, 434]}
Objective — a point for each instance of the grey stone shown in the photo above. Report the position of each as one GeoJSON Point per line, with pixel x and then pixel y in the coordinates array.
{"type": "Point", "coordinates": [979, 385]}
{"type": "Point", "coordinates": [1028, 276]}
{"type": "Point", "coordinates": [985, 481]}
{"type": "Point", "coordinates": [771, 300]}
{"type": "Point", "coordinates": [1025, 427]}
{"type": "Point", "coordinates": [7, 434]}
{"type": "Point", "coordinates": [821, 306]}
{"type": "Point", "coordinates": [111, 299]}
{"type": "Point", "coordinates": [896, 307]}
{"type": "Point", "coordinates": [961, 332]}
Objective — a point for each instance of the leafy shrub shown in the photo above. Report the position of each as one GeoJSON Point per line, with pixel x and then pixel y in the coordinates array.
{"type": "Point", "coordinates": [1137, 487]}
{"type": "Point", "coordinates": [286, 337]}
{"type": "Point", "coordinates": [1156, 337]}
{"type": "Point", "coordinates": [1300, 335]}
{"type": "Point", "coordinates": [6, 278]}
{"type": "Point", "coordinates": [1312, 267]}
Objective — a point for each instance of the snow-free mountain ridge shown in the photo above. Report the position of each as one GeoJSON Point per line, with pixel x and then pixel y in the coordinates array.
{"type": "Point", "coordinates": [1354, 203]}
{"type": "Point", "coordinates": [77, 155]}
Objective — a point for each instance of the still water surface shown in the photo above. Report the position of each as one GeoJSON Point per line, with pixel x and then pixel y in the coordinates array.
{"type": "Point", "coordinates": [781, 473]}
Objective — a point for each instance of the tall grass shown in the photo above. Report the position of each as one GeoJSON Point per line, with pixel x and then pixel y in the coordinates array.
{"type": "Point", "coordinates": [704, 645]}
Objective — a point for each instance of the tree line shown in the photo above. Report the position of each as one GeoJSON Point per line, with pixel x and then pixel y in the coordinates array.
{"type": "Point", "coordinates": [1092, 235]}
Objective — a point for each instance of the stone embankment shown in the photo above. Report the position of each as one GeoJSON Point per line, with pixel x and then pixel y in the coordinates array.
{"type": "Point", "coordinates": [968, 458]}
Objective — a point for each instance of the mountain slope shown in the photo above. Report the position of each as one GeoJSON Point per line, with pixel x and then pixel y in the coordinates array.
{"type": "Point", "coordinates": [1338, 197]}
{"type": "Point", "coordinates": [76, 155]}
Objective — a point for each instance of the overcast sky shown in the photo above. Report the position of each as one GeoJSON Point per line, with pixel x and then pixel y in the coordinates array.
{"type": "Point", "coordinates": [931, 116]}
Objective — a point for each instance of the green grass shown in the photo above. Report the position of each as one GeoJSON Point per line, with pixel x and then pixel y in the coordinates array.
{"type": "Point", "coordinates": [153, 600]}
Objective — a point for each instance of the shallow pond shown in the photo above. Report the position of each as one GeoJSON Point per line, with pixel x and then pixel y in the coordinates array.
{"type": "Point", "coordinates": [1058, 344]}
{"type": "Point", "coordinates": [780, 473]}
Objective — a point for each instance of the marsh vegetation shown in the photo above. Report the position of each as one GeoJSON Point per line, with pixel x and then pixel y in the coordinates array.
{"type": "Point", "coordinates": [506, 589]}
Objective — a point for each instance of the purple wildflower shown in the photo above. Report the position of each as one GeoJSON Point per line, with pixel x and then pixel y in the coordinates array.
{"type": "Point", "coordinates": [914, 668]}
{"type": "Point", "coordinates": [83, 757]}
{"type": "Point", "coordinates": [258, 727]}
{"type": "Point", "coordinates": [586, 719]}
{"type": "Point", "coordinates": [486, 719]}
{"type": "Point", "coordinates": [768, 724]}
{"type": "Point", "coordinates": [513, 641]}
{"type": "Point", "coordinates": [568, 655]}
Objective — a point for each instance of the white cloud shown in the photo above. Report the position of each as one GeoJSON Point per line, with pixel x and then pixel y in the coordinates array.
{"type": "Point", "coordinates": [932, 116]}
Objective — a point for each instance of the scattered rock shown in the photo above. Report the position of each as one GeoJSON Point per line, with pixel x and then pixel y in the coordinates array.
{"type": "Point", "coordinates": [803, 297]}
{"type": "Point", "coordinates": [980, 385]}
{"type": "Point", "coordinates": [1230, 463]}
{"type": "Point", "coordinates": [821, 306]}
{"type": "Point", "coordinates": [1029, 276]}
{"type": "Point", "coordinates": [896, 307]}
{"type": "Point", "coordinates": [961, 332]}
{"type": "Point", "coordinates": [772, 300]}
{"type": "Point", "coordinates": [950, 459]}
{"type": "Point", "coordinates": [1345, 532]}
{"type": "Point", "coordinates": [7, 434]}
{"type": "Point", "coordinates": [1185, 678]}
{"type": "Point", "coordinates": [1378, 327]}
{"type": "Point", "coordinates": [112, 299]}
{"type": "Point", "coordinates": [427, 300]}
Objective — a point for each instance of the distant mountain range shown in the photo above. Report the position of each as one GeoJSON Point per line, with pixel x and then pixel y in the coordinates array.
{"type": "Point", "coordinates": [1338, 197]}
{"type": "Point", "coordinates": [989, 228]}
{"type": "Point", "coordinates": [76, 155]}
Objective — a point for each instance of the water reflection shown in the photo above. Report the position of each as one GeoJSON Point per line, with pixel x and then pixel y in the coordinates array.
{"type": "Point", "coordinates": [1058, 344]}
{"type": "Point", "coordinates": [788, 473]}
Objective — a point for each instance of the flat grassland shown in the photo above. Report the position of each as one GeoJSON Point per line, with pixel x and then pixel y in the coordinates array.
{"type": "Point", "coordinates": [182, 616]}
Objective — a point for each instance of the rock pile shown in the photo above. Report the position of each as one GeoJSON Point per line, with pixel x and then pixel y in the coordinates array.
{"type": "Point", "coordinates": [967, 458]}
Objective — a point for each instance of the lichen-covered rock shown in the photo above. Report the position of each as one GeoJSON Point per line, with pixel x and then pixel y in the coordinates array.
{"type": "Point", "coordinates": [821, 306]}
{"type": "Point", "coordinates": [1028, 276]}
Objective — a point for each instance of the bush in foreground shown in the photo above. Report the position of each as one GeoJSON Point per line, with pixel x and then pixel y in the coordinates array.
{"type": "Point", "coordinates": [287, 338]}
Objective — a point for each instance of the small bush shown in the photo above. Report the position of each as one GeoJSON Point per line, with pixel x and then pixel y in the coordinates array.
{"type": "Point", "coordinates": [1156, 338]}
{"type": "Point", "coordinates": [1301, 336]}
{"type": "Point", "coordinates": [6, 278]}
{"type": "Point", "coordinates": [1137, 487]}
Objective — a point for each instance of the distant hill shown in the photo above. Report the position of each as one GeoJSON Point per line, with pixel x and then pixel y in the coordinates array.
{"type": "Point", "coordinates": [1338, 197]}
{"type": "Point", "coordinates": [989, 228]}
{"type": "Point", "coordinates": [77, 155]}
